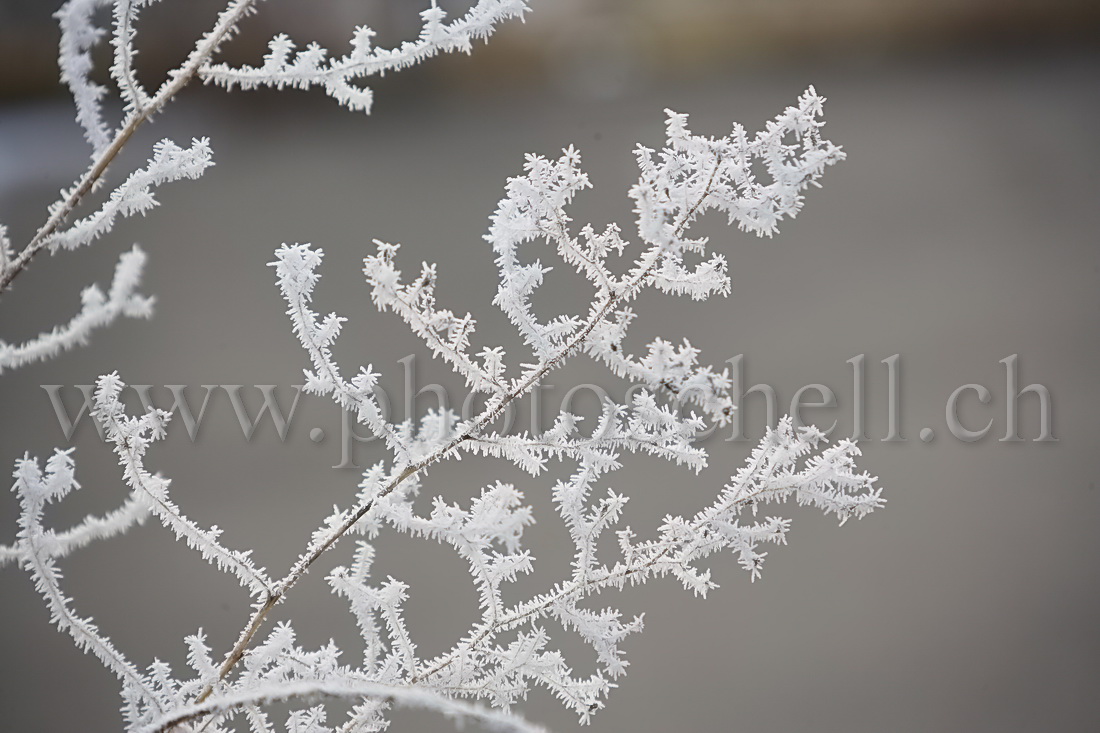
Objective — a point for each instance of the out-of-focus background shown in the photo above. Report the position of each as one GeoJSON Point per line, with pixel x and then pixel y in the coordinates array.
{"type": "Point", "coordinates": [962, 230]}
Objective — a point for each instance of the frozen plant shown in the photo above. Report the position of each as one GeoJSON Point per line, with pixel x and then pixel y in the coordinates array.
{"type": "Point", "coordinates": [508, 650]}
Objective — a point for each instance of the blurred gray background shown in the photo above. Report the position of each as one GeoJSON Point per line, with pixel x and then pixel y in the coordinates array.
{"type": "Point", "coordinates": [961, 230]}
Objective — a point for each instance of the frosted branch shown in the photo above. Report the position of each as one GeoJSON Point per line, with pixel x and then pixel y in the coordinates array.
{"type": "Point", "coordinates": [122, 70]}
{"type": "Point", "coordinates": [673, 372]}
{"type": "Point", "coordinates": [59, 544]}
{"type": "Point", "coordinates": [644, 427]}
{"type": "Point", "coordinates": [782, 466]}
{"type": "Point", "coordinates": [78, 36]}
{"type": "Point", "coordinates": [348, 689]}
{"type": "Point", "coordinates": [97, 311]}
{"type": "Point", "coordinates": [296, 272]}
{"type": "Point", "coordinates": [691, 175]}
{"type": "Point", "coordinates": [131, 438]}
{"type": "Point", "coordinates": [36, 548]}
{"type": "Point", "coordinates": [5, 251]}
{"type": "Point", "coordinates": [135, 196]}
{"type": "Point", "coordinates": [534, 208]}
{"type": "Point", "coordinates": [312, 66]}
{"type": "Point", "coordinates": [447, 335]}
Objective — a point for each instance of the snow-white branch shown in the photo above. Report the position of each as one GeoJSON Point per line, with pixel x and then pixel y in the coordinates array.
{"type": "Point", "coordinates": [97, 311]}
{"type": "Point", "coordinates": [347, 689]}
{"type": "Point", "coordinates": [135, 195]}
{"type": "Point", "coordinates": [312, 65]}
{"type": "Point", "coordinates": [296, 271]}
{"type": "Point", "coordinates": [36, 549]}
{"type": "Point", "coordinates": [644, 427]}
{"type": "Point", "coordinates": [78, 36]}
{"type": "Point", "coordinates": [131, 437]}
{"type": "Point", "coordinates": [447, 335]}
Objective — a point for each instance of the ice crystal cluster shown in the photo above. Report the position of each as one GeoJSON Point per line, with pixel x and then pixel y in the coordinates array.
{"type": "Point", "coordinates": [507, 651]}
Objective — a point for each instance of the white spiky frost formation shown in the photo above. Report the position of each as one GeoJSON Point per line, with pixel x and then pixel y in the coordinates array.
{"type": "Point", "coordinates": [507, 650]}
